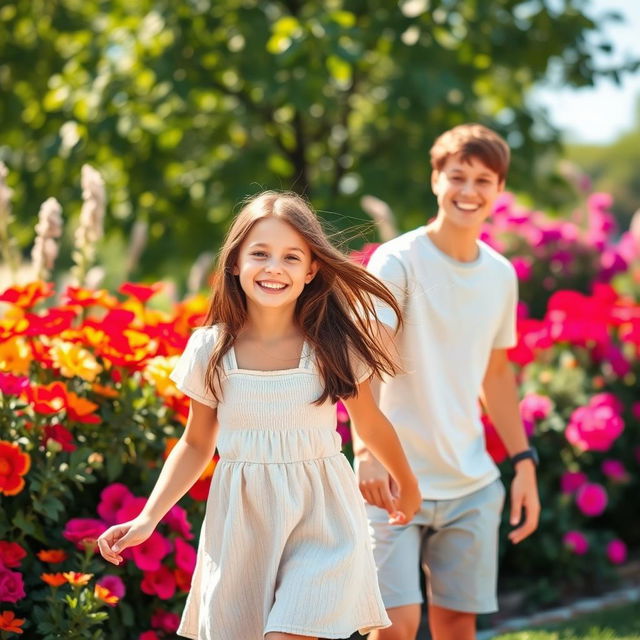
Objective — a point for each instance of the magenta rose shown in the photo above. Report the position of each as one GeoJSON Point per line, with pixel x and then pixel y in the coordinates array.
{"type": "Point", "coordinates": [112, 499]}
{"type": "Point", "coordinates": [79, 530]}
{"type": "Point", "coordinates": [149, 554]}
{"type": "Point", "coordinates": [615, 471]}
{"type": "Point", "coordinates": [576, 542]}
{"type": "Point", "coordinates": [11, 385]}
{"type": "Point", "coordinates": [11, 586]}
{"type": "Point", "coordinates": [591, 499]}
{"type": "Point", "coordinates": [176, 519]}
{"type": "Point", "coordinates": [165, 621]}
{"type": "Point", "coordinates": [131, 508]}
{"type": "Point", "coordinates": [185, 556]}
{"type": "Point", "coordinates": [617, 551]}
{"type": "Point", "coordinates": [596, 426]}
{"type": "Point", "coordinates": [148, 635]}
{"type": "Point", "coordinates": [571, 481]}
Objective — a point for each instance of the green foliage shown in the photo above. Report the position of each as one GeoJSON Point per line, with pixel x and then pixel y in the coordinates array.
{"type": "Point", "coordinates": [186, 107]}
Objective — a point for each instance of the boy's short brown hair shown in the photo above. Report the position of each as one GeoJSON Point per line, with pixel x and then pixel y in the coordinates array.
{"type": "Point", "coordinates": [472, 140]}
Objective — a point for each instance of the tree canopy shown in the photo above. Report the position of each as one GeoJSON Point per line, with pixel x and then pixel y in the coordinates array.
{"type": "Point", "coordinates": [186, 107]}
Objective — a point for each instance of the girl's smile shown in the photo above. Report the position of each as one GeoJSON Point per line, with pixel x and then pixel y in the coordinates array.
{"type": "Point", "coordinates": [274, 264]}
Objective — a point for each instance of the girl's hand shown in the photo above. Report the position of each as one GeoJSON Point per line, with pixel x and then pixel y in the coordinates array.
{"type": "Point", "coordinates": [376, 485]}
{"type": "Point", "coordinates": [407, 504]}
{"type": "Point", "coordinates": [121, 536]}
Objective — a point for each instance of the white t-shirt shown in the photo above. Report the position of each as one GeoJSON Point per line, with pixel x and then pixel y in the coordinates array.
{"type": "Point", "coordinates": [455, 313]}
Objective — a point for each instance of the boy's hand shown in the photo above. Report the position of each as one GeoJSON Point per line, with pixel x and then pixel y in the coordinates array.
{"type": "Point", "coordinates": [128, 534]}
{"type": "Point", "coordinates": [524, 495]}
{"type": "Point", "coordinates": [376, 485]}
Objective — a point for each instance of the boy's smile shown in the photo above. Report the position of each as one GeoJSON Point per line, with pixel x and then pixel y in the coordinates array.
{"type": "Point", "coordinates": [466, 191]}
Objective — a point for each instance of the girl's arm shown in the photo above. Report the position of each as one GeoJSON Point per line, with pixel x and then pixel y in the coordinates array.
{"type": "Point", "coordinates": [378, 435]}
{"type": "Point", "coordinates": [181, 469]}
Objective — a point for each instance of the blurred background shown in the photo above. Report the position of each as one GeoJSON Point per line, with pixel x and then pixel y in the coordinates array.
{"type": "Point", "coordinates": [186, 107]}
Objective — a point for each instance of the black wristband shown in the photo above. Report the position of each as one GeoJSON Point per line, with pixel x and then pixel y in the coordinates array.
{"type": "Point", "coordinates": [527, 454]}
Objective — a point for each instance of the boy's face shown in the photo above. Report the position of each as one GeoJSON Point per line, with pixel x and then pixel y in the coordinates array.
{"type": "Point", "coordinates": [466, 192]}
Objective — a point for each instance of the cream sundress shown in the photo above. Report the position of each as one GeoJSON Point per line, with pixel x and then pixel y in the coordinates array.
{"type": "Point", "coordinates": [284, 544]}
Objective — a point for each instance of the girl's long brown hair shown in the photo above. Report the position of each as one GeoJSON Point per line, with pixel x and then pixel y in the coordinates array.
{"type": "Point", "coordinates": [335, 311]}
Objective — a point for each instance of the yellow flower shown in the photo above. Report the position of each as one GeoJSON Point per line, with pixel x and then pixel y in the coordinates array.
{"type": "Point", "coordinates": [73, 360]}
{"type": "Point", "coordinates": [15, 356]}
{"type": "Point", "coordinates": [157, 373]}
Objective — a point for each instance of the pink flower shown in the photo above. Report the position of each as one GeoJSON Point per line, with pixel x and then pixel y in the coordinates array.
{"type": "Point", "coordinates": [79, 530]}
{"type": "Point", "coordinates": [576, 542]}
{"type": "Point", "coordinates": [522, 268]}
{"type": "Point", "coordinates": [148, 635]}
{"type": "Point", "coordinates": [149, 554]}
{"type": "Point", "coordinates": [11, 586]}
{"type": "Point", "coordinates": [165, 621]}
{"type": "Point", "coordinates": [59, 434]}
{"type": "Point", "coordinates": [11, 554]}
{"type": "Point", "coordinates": [635, 410]}
{"type": "Point", "coordinates": [112, 499]}
{"type": "Point", "coordinates": [185, 556]}
{"type": "Point", "coordinates": [614, 469]}
{"type": "Point", "coordinates": [115, 585]}
{"type": "Point", "coordinates": [176, 520]}
{"type": "Point", "coordinates": [617, 551]}
{"type": "Point", "coordinates": [571, 481]}
{"type": "Point", "coordinates": [362, 256]}
{"type": "Point", "coordinates": [534, 407]}
{"type": "Point", "coordinates": [596, 426]}
{"type": "Point", "coordinates": [161, 583]}
{"type": "Point", "coordinates": [11, 385]}
{"type": "Point", "coordinates": [131, 507]}
{"type": "Point", "coordinates": [591, 499]}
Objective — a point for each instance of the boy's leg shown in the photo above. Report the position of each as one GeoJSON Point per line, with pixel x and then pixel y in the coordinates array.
{"type": "Point", "coordinates": [397, 554]}
{"type": "Point", "coordinates": [461, 562]}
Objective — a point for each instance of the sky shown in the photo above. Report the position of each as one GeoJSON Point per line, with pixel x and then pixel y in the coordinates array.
{"type": "Point", "coordinates": [598, 115]}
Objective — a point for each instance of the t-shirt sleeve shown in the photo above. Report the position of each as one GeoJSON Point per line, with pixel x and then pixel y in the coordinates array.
{"type": "Point", "coordinates": [392, 272]}
{"type": "Point", "coordinates": [507, 336]}
{"type": "Point", "coordinates": [191, 368]}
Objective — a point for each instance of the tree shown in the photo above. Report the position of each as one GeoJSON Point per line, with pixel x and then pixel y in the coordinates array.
{"type": "Point", "coordinates": [186, 107]}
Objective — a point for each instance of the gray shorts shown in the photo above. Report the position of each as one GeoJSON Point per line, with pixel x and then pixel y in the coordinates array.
{"type": "Point", "coordinates": [457, 543]}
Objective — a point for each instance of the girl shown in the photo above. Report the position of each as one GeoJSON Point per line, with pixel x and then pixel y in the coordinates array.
{"type": "Point", "coordinates": [284, 551]}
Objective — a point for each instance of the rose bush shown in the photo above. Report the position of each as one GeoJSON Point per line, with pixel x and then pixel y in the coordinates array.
{"type": "Point", "coordinates": [87, 413]}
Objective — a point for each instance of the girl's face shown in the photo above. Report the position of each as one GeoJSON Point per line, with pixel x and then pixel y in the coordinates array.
{"type": "Point", "coordinates": [274, 264]}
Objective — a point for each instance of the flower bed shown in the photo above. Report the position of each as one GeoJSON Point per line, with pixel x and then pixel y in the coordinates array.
{"type": "Point", "coordinates": [87, 413]}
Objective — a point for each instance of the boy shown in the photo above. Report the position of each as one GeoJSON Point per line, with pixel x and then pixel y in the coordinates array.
{"type": "Point", "coordinates": [459, 301]}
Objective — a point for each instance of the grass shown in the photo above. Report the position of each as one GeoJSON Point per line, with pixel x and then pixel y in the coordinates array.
{"type": "Point", "coordinates": [620, 623]}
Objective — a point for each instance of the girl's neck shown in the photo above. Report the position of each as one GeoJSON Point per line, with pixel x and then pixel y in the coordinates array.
{"type": "Point", "coordinates": [270, 325]}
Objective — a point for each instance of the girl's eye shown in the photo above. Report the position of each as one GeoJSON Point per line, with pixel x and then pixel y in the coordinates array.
{"type": "Point", "coordinates": [293, 258]}
{"type": "Point", "coordinates": [259, 254]}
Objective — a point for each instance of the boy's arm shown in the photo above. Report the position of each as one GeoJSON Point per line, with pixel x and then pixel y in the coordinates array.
{"type": "Point", "coordinates": [500, 397]}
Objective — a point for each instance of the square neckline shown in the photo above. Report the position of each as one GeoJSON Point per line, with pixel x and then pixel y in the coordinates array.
{"type": "Point", "coordinates": [303, 363]}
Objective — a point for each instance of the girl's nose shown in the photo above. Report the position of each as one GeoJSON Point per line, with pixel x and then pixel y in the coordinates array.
{"type": "Point", "coordinates": [273, 266]}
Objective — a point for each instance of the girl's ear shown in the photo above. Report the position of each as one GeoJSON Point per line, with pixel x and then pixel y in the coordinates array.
{"type": "Point", "coordinates": [311, 274]}
{"type": "Point", "coordinates": [235, 270]}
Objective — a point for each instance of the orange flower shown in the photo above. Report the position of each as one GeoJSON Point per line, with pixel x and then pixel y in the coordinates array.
{"type": "Point", "coordinates": [53, 556]}
{"type": "Point", "coordinates": [9, 622]}
{"type": "Point", "coordinates": [77, 579]}
{"type": "Point", "coordinates": [53, 579]}
{"type": "Point", "coordinates": [15, 356]}
{"type": "Point", "coordinates": [88, 298]}
{"type": "Point", "coordinates": [28, 295]}
{"type": "Point", "coordinates": [14, 464]}
{"type": "Point", "coordinates": [168, 446]}
{"type": "Point", "coordinates": [81, 410]}
{"type": "Point", "coordinates": [104, 391]}
{"type": "Point", "coordinates": [102, 593]}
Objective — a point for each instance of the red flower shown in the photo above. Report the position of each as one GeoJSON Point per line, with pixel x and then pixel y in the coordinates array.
{"type": "Point", "coordinates": [59, 434]}
{"type": "Point", "coordinates": [200, 490]}
{"type": "Point", "coordinates": [14, 464]}
{"type": "Point", "coordinates": [28, 295]}
{"type": "Point", "coordinates": [52, 556]}
{"type": "Point", "coordinates": [11, 385]}
{"type": "Point", "coordinates": [9, 622]}
{"type": "Point", "coordinates": [88, 298]}
{"type": "Point", "coordinates": [51, 323]}
{"type": "Point", "coordinates": [140, 291]}
{"type": "Point", "coordinates": [161, 583]}
{"type": "Point", "coordinates": [47, 399]}
{"type": "Point", "coordinates": [11, 554]}
{"type": "Point", "coordinates": [494, 444]}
